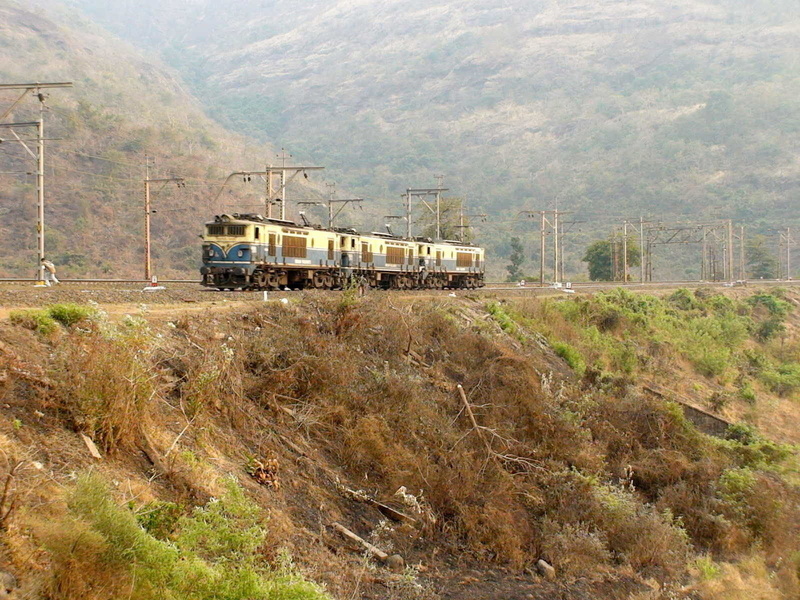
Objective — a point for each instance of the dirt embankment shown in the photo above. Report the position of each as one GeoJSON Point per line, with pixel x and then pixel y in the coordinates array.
{"type": "Point", "coordinates": [331, 409]}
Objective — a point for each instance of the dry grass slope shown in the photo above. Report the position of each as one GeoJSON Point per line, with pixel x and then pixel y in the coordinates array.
{"type": "Point", "coordinates": [611, 486]}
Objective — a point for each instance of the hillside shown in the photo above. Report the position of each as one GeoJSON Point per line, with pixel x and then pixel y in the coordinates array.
{"type": "Point", "coordinates": [124, 106]}
{"type": "Point", "coordinates": [229, 443]}
{"type": "Point", "coordinates": [609, 109]}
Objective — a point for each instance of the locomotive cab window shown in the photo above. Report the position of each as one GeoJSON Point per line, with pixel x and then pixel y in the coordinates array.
{"type": "Point", "coordinates": [258, 233]}
{"type": "Point", "coordinates": [216, 230]}
{"type": "Point", "coordinates": [236, 230]}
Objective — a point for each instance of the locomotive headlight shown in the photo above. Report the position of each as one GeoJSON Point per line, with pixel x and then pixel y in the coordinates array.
{"type": "Point", "coordinates": [210, 253]}
{"type": "Point", "coordinates": [240, 254]}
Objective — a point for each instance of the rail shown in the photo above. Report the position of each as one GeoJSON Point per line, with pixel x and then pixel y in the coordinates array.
{"type": "Point", "coordinates": [489, 284]}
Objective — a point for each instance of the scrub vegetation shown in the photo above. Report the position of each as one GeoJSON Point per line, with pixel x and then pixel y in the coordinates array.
{"type": "Point", "coordinates": [571, 460]}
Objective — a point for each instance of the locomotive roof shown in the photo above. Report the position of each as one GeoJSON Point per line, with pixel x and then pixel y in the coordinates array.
{"type": "Point", "coordinates": [256, 218]}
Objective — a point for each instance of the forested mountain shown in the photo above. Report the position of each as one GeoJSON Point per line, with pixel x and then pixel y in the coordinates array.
{"type": "Point", "coordinates": [124, 106]}
{"type": "Point", "coordinates": [610, 109]}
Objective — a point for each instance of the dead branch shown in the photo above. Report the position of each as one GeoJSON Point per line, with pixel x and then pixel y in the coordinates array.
{"type": "Point", "coordinates": [497, 457]}
{"type": "Point", "coordinates": [475, 425]}
{"type": "Point", "coordinates": [373, 550]}
{"type": "Point", "coordinates": [7, 506]}
{"type": "Point", "coordinates": [407, 326]}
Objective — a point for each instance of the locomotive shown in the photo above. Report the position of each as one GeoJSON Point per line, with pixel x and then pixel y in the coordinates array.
{"type": "Point", "coordinates": [252, 252]}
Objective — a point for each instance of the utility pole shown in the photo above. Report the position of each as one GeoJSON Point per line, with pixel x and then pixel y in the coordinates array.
{"type": "Point", "coordinates": [147, 218]}
{"type": "Point", "coordinates": [541, 261]}
{"type": "Point", "coordinates": [36, 90]}
{"type": "Point", "coordinates": [614, 258]}
{"type": "Point", "coordinates": [730, 251]}
{"type": "Point", "coordinates": [704, 267]}
{"type": "Point", "coordinates": [555, 247]}
{"type": "Point", "coordinates": [717, 240]}
{"type": "Point", "coordinates": [331, 194]}
{"type": "Point", "coordinates": [742, 266]}
{"type": "Point", "coordinates": [283, 156]}
{"type": "Point", "coordinates": [147, 212]}
{"type": "Point", "coordinates": [461, 221]}
{"type": "Point", "coordinates": [331, 201]}
{"type": "Point", "coordinates": [40, 190]}
{"type": "Point", "coordinates": [440, 179]}
{"type": "Point", "coordinates": [461, 226]}
{"type": "Point", "coordinates": [269, 190]}
{"type": "Point", "coordinates": [641, 249]}
{"type": "Point", "coordinates": [408, 212]}
{"type": "Point", "coordinates": [557, 228]}
{"type": "Point", "coordinates": [785, 238]}
{"type": "Point", "coordinates": [268, 173]}
{"type": "Point", "coordinates": [423, 193]}
{"type": "Point", "coordinates": [625, 251]}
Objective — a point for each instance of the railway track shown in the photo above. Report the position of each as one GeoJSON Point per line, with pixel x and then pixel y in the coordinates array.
{"type": "Point", "coordinates": [499, 285]}
{"type": "Point", "coordinates": [127, 296]}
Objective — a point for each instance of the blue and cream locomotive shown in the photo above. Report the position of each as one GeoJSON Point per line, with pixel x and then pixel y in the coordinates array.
{"type": "Point", "coordinates": [252, 252]}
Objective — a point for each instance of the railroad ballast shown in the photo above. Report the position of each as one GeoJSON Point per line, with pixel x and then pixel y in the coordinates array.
{"type": "Point", "coordinates": [248, 251]}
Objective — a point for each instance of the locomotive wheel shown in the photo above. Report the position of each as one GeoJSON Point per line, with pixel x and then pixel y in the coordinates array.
{"type": "Point", "coordinates": [319, 280]}
{"type": "Point", "coordinates": [259, 280]}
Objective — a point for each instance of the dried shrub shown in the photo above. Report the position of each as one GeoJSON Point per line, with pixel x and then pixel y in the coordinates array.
{"type": "Point", "coordinates": [106, 384]}
{"type": "Point", "coordinates": [573, 548]}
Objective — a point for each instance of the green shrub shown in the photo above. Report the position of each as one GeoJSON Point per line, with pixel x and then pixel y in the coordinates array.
{"type": "Point", "coordinates": [572, 357]}
{"type": "Point", "coordinates": [707, 568]}
{"type": "Point", "coordinates": [735, 484]}
{"type": "Point", "coordinates": [159, 518]}
{"type": "Point", "coordinates": [46, 320]}
{"type": "Point", "coordinates": [683, 299]}
{"type": "Point", "coordinates": [766, 330]}
{"type": "Point", "coordinates": [783, 379]}
{"type": "Point", "coordinates": [99, 545]}
{"type": "Point", "coordinates": [748, 393]}
{"type": "Point", "coordinates": [502, 317]}
{"type": "Point", "coordinates": [775, 306]}
{"type": "Point", "coordinates": [709, 360]}
{"type": "Point", "coordinates": [756, 362]}
{"type": "Point", "coordinates": [37, 319]}
{"type": "Point", "coordinates": [749, 449]}
{"type": "Point", "coordinates": [225, 530]}
{"type": "Point", "coordinates": [71, 314]}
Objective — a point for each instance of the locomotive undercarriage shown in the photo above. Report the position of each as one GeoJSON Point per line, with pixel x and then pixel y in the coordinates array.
{"type": "Point", "coordinates": [269, 278]}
